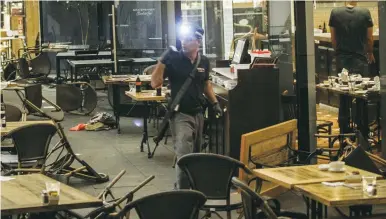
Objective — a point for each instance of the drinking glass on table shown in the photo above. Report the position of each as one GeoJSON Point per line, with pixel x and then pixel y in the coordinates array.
{"type": "Point", "coordinates": [368, 180]}
{"type": "Point", "coordinates": [132, 87]}
{"type": "Point", "coordinates": [53, 188]}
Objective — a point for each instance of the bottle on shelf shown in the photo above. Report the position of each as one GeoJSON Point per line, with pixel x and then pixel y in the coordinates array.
{"type": "Point", "coordinates": [2, 113]}
{"type": "Point", "coordinates": [324, 28]}
{"type": "Point", "coordinates": [138, 84]}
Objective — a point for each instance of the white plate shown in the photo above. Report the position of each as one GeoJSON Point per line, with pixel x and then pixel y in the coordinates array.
{"type": "Point", "coordinates": [324, 167]}
{"type": "Point", "coordinates": [337, 170]}
{"type": "Point", "coordinates": [344, 88]}
{"type": "Point", "coordinates": [360, 91]}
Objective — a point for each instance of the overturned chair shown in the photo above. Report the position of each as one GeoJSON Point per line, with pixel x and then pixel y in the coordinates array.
{"type": "Point", "coordinates": [62, 164]}
{"type": "Point", "coordinates": [77, 98]}
{"type": "Point", "coordinates": [32, 100]}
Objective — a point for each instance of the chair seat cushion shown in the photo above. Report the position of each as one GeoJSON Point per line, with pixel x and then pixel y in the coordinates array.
{"type": "Point", "coordinates": [235, 202]}
{"type": "Point", "coordinates": [12, 161]}
{"type": "Point", "coordinates": [57, 116]}
{"type": "Point", "coordinates": [9, 158]}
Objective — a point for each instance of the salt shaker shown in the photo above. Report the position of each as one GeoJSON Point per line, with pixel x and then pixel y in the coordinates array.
{"type": "Point", "coordinates": [45, 197]}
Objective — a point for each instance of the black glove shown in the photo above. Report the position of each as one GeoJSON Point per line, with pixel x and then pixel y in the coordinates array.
{"type": "Point", "coordinates": [217, 109]}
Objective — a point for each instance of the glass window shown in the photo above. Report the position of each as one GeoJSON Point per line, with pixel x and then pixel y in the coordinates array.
{"type": "Point", "coordinates": [72, 21]}
{"type": "Point", "coordinates": [140, 24]}
{"type": "Point", "coordinates": [206, 14]}
{"type": "Point", "coordinates": [249, 19]}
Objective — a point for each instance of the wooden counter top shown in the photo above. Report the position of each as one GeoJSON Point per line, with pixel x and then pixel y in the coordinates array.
{"type": "Point", "coordinates": [326, 37]}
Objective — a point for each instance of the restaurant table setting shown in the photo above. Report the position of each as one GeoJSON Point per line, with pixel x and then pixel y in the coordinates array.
{"type": "Point", "coordinates": [354, 83]}
{"type": "Point", "coordinates": [353, 179]}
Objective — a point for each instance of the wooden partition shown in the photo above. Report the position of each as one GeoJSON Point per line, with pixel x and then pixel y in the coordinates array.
{"type": "Point", "coordinates": [268, 146]}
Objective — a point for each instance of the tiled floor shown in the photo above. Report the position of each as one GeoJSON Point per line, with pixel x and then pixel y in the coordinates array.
{"type": "Point", "coordinates": [109, 152]}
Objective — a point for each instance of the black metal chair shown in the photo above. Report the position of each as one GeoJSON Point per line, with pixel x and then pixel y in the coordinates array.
{"type": "Point", "coordinates": [33, 102]}
{"type": "Point", "coordinates": [78, 97]}
{"type": "Point", "coordinates": [257, 207]}
{"type": "Point", "coordinates": [40, 68]}
{"type": "Point", "coordinates": [211, 174]}
{"type": "Point", "coordinates": [182, 204]}
{"type": "Point", "coordinates": [12, 113]}
{"type": "Point", "coordinates": [41, 65]}
{"type": "Point", "coordinates": [31, 143]}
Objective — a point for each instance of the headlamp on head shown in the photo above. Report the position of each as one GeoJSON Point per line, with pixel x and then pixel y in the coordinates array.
{"type": "Point", "coordinates": [188, 30]}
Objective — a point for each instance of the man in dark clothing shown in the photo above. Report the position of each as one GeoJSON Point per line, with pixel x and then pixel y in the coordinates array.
{"type": "Point", "coordinates": [352, 37]}
{"type": "Point", "coordinates": [187, 123]}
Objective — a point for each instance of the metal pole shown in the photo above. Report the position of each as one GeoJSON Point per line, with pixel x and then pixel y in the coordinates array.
{"type": "Point", "coordinates": [305, 75]}
{"type": "Point", "coordinates": [382, 73]}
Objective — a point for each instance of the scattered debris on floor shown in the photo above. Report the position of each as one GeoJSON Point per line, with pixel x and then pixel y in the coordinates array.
{"type": "Point", "coordinates": [99, 122]}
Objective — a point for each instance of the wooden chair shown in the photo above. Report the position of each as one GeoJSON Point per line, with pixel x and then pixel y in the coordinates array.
{"type": "Point", "coordinates": [269, 146]}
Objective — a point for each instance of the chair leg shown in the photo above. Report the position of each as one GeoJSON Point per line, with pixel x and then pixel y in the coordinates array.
{"type": "Point", "coordinates": [174, 161]}
{"type": "Point", "coordinates": [241, 215]}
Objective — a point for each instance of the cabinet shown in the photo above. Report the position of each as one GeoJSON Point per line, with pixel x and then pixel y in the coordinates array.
{"type": "Point", "coordinates": [253, 104]}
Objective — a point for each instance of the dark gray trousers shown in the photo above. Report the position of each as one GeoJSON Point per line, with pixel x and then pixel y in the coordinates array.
{"type": "Point", "coordinates": [187, 138]}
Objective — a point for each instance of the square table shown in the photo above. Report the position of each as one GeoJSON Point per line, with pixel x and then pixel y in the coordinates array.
{"type": "Point", "coordinates": [145, 96]}
{"type": "Point", "coordinates": [289, 177]}
{"type": "Point", "coordinates": [340, 196]}
{"type": "Point", "coordinates": [77, 64]}
{"type": "Point", "coordinates": [116, 82]}
{"type": "Point", "coordinates": [72, 56]}
{"type": "Point", "coordinates": [23, 194]}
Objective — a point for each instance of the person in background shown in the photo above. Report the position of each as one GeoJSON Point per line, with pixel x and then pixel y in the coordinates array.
{"type": "Point", "coordinates": [187, 123]}
{"type": "Point", "coordinates": [352, 37]}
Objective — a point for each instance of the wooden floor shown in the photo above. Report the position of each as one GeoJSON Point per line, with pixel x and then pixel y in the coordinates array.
{"type": "Point", "coordinates": [324, 112]}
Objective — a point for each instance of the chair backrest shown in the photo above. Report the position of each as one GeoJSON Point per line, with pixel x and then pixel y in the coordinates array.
{"type": "Point", "coordinates": [23, 68]}
{"type": "Point", "coordinates": [200, 169]}
{"type": "Point", "coordinates": [32, 141]}
{"type": "Point", "coordinates": [33, 93]}
{"type": "Point", "coordinates": [252, 201]}
{"type": "Point", "coordinates": [289, 103]}
{"type": "Point", "coordinates": [41, 64]}
{"type": "Point", "coordinates": [268, 145]}
{"type": "Point", "coordinates": [12, 113]}
{"type": "Point", "coordinates": [168, 205]}
{"type": "Point", "coordinates": [149, 70]}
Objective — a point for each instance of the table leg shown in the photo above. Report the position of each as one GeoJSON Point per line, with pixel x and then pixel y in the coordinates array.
{"type": "Point", "coordinates": [116, 106]}
{"type": "Point", "coordinates": [57, 69]}
{"type": "Point", "coordinates": [313, 209]}
{"type": "Point", "coordinates": [320, 210]}
{"type": "Point", "coordinates": [72, 74]}
{"type": "Point", "coordinates": [325, 211]}
{"type": "Point", "coordinates": [145, 136]}
{"type": "Point", "coordinates": [363, 123]}
{"type": "Point", "coordinates": [76, 73]}
{"type": "Point", "coordinates": [344, 114]}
